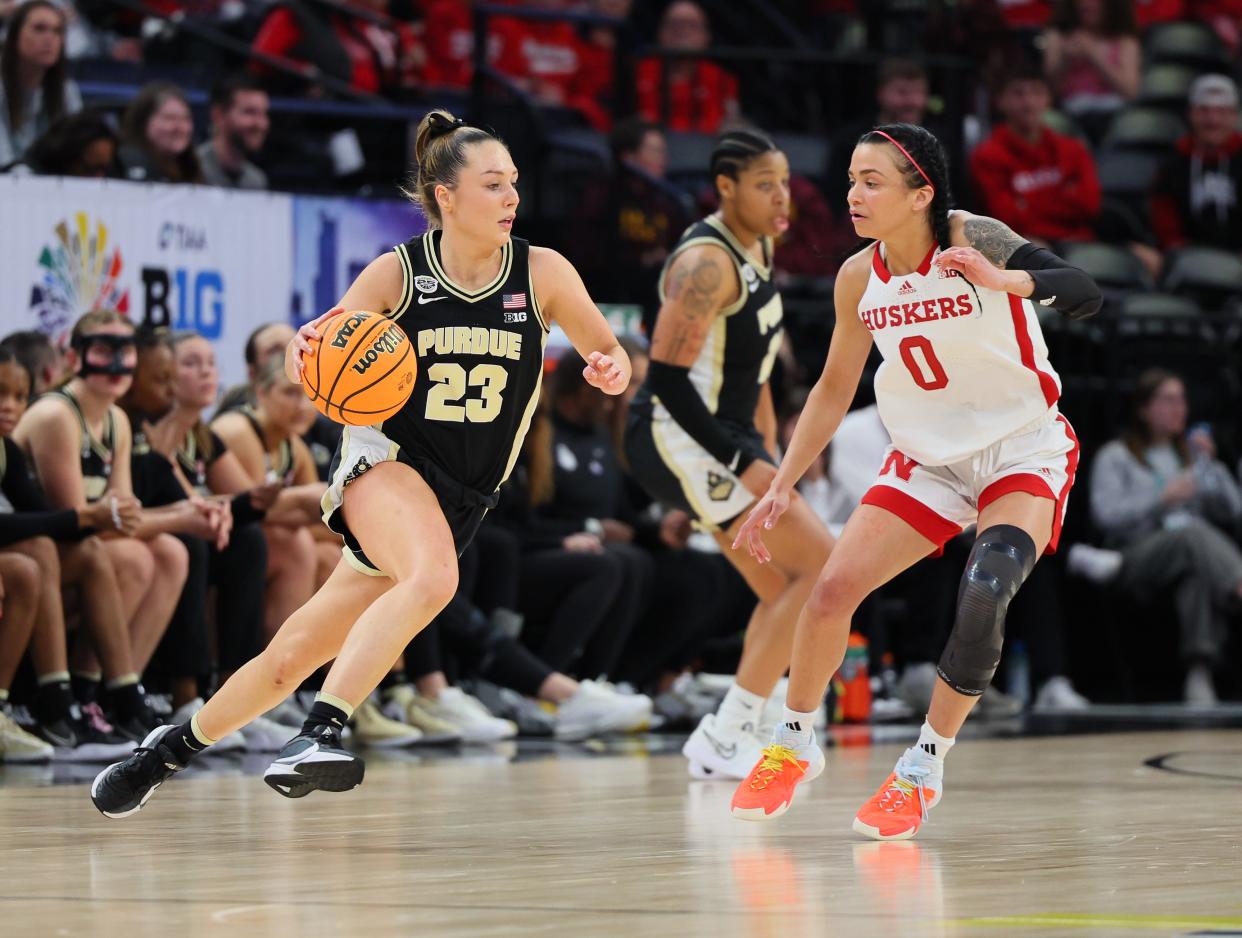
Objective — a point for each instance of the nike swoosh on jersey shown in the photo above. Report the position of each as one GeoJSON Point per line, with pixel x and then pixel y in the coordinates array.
{"type": "Point", "coordinates": [423, 299]}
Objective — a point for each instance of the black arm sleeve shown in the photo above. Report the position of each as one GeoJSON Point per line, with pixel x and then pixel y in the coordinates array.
{"type": "Point", "coordinates": [671, 383]}
{"type": "Point", "coordinates": [58, 525]}
{"type": "Point", "coordinates": [1066, 289]}
{"type": "Point", "coordinates": [243, 511]}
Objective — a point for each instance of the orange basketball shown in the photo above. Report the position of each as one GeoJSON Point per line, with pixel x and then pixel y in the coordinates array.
{"type": "Point", "coordinates": [362, 371]}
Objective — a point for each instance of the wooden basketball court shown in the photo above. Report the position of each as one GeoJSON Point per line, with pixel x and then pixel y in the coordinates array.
{"type": "Point", "coordinates": [1069, 835]}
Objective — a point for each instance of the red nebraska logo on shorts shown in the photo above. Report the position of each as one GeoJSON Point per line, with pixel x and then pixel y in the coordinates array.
{"type": "Point", "coordinates": [900, 464]}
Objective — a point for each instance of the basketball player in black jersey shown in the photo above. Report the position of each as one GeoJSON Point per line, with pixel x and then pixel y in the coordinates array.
{"type": "Point", "coordinates": [702, 430]}
{"type": "Point", "coordinates": [407, 495]}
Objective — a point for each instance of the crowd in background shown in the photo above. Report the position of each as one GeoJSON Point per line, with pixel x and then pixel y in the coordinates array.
{"type": "Point", "coordinates": [584, 607]}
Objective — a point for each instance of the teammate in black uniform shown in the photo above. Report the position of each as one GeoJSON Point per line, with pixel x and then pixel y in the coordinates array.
{"type": "Point", "coordinates": [703, 429]}
{"type": "Point", "coordinates": [408, 495]}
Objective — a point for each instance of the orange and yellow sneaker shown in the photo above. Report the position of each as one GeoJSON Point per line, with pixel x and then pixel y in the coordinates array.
{"type": "Point", "coordinates": [768, 790]}
{"type": "Point", "coordinates": [899, 808]}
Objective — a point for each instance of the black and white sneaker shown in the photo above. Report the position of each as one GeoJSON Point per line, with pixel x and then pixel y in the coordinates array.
{"type": "Point", "coordinates": [83, 735]}
{"type": "Point", "coordinates": [124, 787]}
{"type": "Point", "coordinates": [312, 761]}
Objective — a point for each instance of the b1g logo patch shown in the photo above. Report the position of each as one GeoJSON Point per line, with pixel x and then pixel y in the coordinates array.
{"type": "Point", "coordinates": [425, 284]}
{"type": "Point", "coordinates": [511, 317]}
{"type": "Point", "coordinates": [719, 487]}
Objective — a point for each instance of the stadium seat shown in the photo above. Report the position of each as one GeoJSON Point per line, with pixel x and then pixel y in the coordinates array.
{"type": "Point", "coordinates": [1143, 128]}
{"type": "Point", "coordinates": [1211, 276]}
{"type": "Point", "coordinates": [1188, 43]}
{"type": "Point", "coordinates": [1062, 123]}
{"type": "Point", "coordinates": [1160, 306]}
{"type": "Point", "coordinates": [689, 158]}
{"type": "Point", "coordinates": [1127, 173]}
{"type": "Point", "coordinates": [1114, 269]}
{"type": "Point", "coordinates": [807, 153]}
{"type": "Point", "coordinates": [1166, 86]}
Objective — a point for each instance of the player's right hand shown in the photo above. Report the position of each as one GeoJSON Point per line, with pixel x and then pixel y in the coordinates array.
{"type": "Point", "coordinates": [773, 504]}
{"type": "Point", "coordinates": [302, 342]}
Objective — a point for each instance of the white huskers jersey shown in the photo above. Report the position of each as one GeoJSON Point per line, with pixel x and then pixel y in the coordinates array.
{"type": "Point", "coordinates": [963, 366]}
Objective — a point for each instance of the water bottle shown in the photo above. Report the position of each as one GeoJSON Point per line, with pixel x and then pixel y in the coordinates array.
{"type": "Point", "coordinates": [1019, 673]}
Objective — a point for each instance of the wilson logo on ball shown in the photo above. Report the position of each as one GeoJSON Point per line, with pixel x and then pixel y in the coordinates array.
{"type": "Point", "coordinates": [363, 371]}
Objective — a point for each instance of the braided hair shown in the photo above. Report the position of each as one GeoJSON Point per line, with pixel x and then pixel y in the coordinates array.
{"type": "Point", "coordinates": [926, 150]}
{"type": "Point", "coordinates": [737, 149]}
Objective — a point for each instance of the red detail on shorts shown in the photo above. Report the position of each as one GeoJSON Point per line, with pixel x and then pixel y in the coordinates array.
{"type": "Point", "coordinates": [913, 512]}
{"type": "Point", "coordinates": [1071, 469]}
{"type": "Point", "coordinates": [1027, 482]}
{"type": "Point", "coordinates": [900, 463]}
{"type": "Point", "coordinates": [1026, 350]}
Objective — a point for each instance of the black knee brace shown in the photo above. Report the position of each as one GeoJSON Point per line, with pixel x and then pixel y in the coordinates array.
{"type": "Point", "coordinates": [999, 563]}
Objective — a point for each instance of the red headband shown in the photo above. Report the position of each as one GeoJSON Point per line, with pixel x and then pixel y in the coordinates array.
{"type": "Point", "coordinates": [905, 153]}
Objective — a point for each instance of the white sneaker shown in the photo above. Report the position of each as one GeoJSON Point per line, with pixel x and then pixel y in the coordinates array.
{"type": "Point", "coordinates": [264, 735]}
{"type": "Point", "coordinates": [597, 708]}
{"type": "Point", "coordinates": [1093, 563]}
{"type": "Point", "coordinates": [233, 742]}
{"type": "Point", "coordinates": [1058, 694]}
{"type": "Point", "coordinates": [401, 704]}
{"type": "Point", "coordinates": [1200, 690]}
{"type": "Point", "coordinates": [473, 720]}
{"type": "Point", "coordinates": [375, 729]}
{"type": "Point", "coordinates": [16, 745]}
{"type": "Point", "coordinates": [716, 751]}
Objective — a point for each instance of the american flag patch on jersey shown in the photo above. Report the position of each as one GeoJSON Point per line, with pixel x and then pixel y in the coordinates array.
{"type": "Point", "coordinates": [514, 300]}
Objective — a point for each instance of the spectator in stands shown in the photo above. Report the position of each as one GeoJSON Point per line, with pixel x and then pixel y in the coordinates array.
{"type": "Point", "coordinates": [39, 356]}
{"type": "Point", "coordinates": [239, 125]}
{"type": "Point", "coordinates": [647, 216]}
{"type": "Point", "coordinates": [369, 51]}
{"type": "Point", "coordinates": [1092, 59]}
{"type": "Point", "coordinates": [598, 51]}
{"type": "Point", "coordinates": [685, 93]}
{"type": "Point", "coordinates": [81, 144]}
{"type": "Point", "coordinates": [1041, 183]}
{"type": "Point", "coordinates": [902, 93]}
{"type": "Point", "coordinates": [1158, 494]}
{"type": "Point", "coordinates": [34, 85]}
{"type": "Point", "coordinates": [546, 62]}
{"type": "Point", "coordinates": [157, 136]}
{"type": "Point", "coordinates": [79, 442]}
{"type": "Point", "coordinates": [1147, 12]}
{"type": "Point", "coordinates": [448, 35]}
{"type": "Point", "coordinates": [267, 442]}
{"type": "Point", "coordinates": [1195, 197]}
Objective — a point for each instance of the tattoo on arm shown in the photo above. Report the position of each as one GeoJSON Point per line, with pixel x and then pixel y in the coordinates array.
{"type": "Point", "coordinates": [692, 298]}
{"type": "Point", "coordinates": [993, 239]}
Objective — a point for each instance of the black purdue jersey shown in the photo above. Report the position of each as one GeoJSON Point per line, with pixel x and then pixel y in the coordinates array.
{"type": "Point", "coordinates": [736, 359]}
{"type": "Point", "coordinates": [480, 362]}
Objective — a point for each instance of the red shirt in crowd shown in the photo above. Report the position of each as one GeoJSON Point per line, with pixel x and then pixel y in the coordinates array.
{"type": "Point", "coordinates": [699, 101]}
{"type": "Point", "coordinates": [1147, 12]}
{"type": "Point", "coordinates": [1025, 14]}
{"type": "Point", "coordinates": [1048, 189]}
{"type": "Point", "coordinates": [449, 36]}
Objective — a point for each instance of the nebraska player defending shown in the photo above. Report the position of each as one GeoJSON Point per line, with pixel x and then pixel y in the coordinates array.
{"type": "Point", "coordinates": [970, 401]}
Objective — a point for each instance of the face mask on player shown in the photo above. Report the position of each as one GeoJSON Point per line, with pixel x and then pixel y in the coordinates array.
{"type": "Point", "coordinates": [105, 354]}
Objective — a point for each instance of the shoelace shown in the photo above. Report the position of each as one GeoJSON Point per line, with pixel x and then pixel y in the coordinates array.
{"type": "Point", "coordinates": [774, 759]}
{"type": "Point", "coordinates": [906, 782]}
{"type": "Point", "coordinates": [94, 716]}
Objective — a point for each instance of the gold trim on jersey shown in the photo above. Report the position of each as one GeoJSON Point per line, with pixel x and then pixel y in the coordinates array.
{"type": "Point", "coordinates": [524, 426]}
{"type": "Point", "coordinates": [352, 559]}
{"type": "Point", "coordinates": [764, 270]}
{"type": "Point", "coordinates": [719, 333]}
{"type": "Point", "coordinates": [534, 301]}
{"type": "Point", "coordinates": [407, 282]}
{"type": "Point", "coordinates": [433, 261]}
{"type": "Point", "coordinates": [743, 294]}
{"type": "Point", "coordinates": [103, 448]}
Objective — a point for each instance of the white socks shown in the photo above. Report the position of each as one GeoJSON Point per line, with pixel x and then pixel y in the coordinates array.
{"type": "Point", "coordinates": [738, 708]}
{"type": "Point", "coordinates": [933, 743]}
{"type": "Point", "coordinates": [796, 728]}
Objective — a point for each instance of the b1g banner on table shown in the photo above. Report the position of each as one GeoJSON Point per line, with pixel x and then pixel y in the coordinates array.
{"type": "Point", "coordinates": [188, 257]}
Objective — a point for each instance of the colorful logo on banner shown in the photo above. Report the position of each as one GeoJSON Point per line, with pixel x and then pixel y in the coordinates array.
{"type": "Point", "coordinates": [79, 272]}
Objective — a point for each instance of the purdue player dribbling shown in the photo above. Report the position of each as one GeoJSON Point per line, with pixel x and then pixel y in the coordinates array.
{"type": "Point", "coordinates": [703, 429]}
{"type": "Point", "coordinates": [408, 495]}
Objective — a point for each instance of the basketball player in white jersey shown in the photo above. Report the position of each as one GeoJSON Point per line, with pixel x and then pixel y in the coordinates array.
{"type": "Point", "coordinates": [970, 401]}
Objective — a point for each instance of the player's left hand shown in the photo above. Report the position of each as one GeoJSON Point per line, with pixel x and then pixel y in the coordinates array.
{"type": "Point", "coordinates": [973, 266]}
{"type": "Point", "coordinates": [604, 373]}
